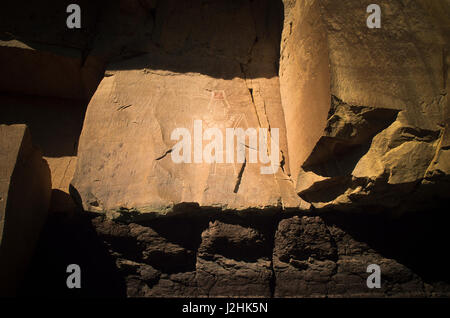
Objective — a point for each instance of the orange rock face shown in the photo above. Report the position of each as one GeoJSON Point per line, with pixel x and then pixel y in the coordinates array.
{"type": "Point", "coordinates": [388, 111]}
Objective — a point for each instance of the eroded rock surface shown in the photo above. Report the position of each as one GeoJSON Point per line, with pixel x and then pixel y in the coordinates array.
{"type": "Point", "coordinates": [314, 256]}
{"type": "Point", "coordinates": [389, 108]}
{"type": "Point", "coordinates": [215, 255]}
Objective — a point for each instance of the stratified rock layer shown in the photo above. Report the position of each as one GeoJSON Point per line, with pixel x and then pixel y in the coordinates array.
{"type": "Point", "coordinates": [25, 189]}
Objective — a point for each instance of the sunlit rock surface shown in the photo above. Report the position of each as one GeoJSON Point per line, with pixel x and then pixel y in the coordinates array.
{"type": "Point", "coordinates": [125, 159]}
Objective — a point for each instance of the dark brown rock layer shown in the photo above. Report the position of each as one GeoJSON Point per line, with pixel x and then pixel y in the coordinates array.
{"type": "Point", "coordinates": [250, 255]}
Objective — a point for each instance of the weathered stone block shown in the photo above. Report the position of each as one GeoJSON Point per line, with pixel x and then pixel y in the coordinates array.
{"type": "Point", "coordinates": [25, 189]}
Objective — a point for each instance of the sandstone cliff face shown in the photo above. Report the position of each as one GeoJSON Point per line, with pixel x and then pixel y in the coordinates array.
{"type": "Point", "coordinates": [363, 142]}
{"type": "Point", "coordinates": [389, 107]}
{"type": "Point", "coordinates": [362, 112]}
{"type": "Point", "coordinates": [193, 72]}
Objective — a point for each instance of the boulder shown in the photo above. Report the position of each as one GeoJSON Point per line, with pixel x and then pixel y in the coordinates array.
{"type": "Point", "coordinates": [234, 261]}
{"type": "Point", "coordinates": [316, 257]}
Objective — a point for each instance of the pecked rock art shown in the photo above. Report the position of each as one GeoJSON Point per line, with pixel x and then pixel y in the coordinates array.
{"type": "Point", "coordinates": [128, 132]}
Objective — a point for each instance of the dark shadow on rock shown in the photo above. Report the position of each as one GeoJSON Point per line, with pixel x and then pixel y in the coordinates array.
{"type": "Point", "coordinates": [213, 38]}
{"type": "Point", "coordinates": [75, 195]}
{"type": "Point", "coordinates": [54, 123]}
{"type": "Point", "coordinates": [61, 201]}
{"type": "Point", "coordinates": [418, 240]}
{"type": "Point", "coordinates": [182, 230]}
{"type": "Point", "coordinates": [44, 22]}
{"type": "Point", "coordinates": [71, 239]}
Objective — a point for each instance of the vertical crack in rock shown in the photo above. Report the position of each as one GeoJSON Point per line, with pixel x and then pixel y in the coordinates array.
{"type": "Point", "coordinates": [282, 163]}
{"type": "Point", "coordinates": [251, 94]}
{"type": "Point", "coordinates": [250, 90]}
{"type": "Point", "coordinates": [273, 280]}
{"type": "Point", "coordinates": [239, 177]}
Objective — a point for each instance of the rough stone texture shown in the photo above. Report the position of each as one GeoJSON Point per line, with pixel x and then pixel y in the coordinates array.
{"type": "Point", "coordinates": [154, 265]}
{"type": "Point", "coordinates": [388, 83]}
{"type": "Point", "coordinates": [233, 260]}
{"type": "Point", "coordinates": [221, 255]}
{"type": "Point", "coordinates": [25, 189]}
{"type": "Point", "coordinates": [406, 74]}
{"type": "Point", "coordinates": [48, 77]}
{"type": "Point", "coordinates": [389, 108]}
{"type": "Point", "coordinates": [164, 257]}
{"type": "Point", "coordinates": [312, 259]}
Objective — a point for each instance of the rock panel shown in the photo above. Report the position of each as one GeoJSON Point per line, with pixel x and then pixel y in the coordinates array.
{"type": "Point", "coordinates": [126, 147]}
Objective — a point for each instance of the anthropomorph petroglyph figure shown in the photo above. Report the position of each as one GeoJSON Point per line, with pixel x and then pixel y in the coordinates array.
{"type": "Point", "coordinates": [221, 115]}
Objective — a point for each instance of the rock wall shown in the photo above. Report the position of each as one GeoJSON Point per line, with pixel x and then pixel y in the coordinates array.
{"type": "Point", "coordinates": [220, 254]}
{"type": "Point", "coordinates": [389, 109]}
{"type": "Point", "coordinates": [362, 166]}
{"type": "Point", "coordinates": [304, 78]}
